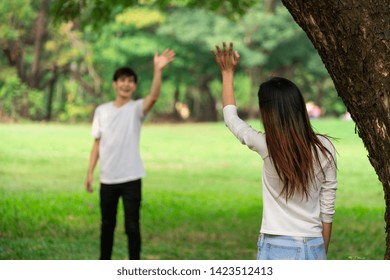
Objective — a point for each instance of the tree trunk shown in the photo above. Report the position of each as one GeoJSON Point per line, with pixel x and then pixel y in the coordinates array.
{"type": "Point", "coordinates": [353, 40]}
{"type": "Point", "coordinates": [207, 101]}
{"type": "Point", "coordinates": [39, 33]}
{"type": "Point", "coordinates": [52, 83]}
{"type": "Point", "coordinates": [14, 54]}
{"type": "Point", "coordinates": [78, 77]}
{"type": "Point", "coordinates": [176, 96]}
{"type": "Point", "coordinates": [270, 5]}
{"type": "Point", "coordinates": [255, 75]}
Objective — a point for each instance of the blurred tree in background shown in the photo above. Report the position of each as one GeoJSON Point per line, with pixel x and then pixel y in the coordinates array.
{"type": "Point", "coordinates": [37, 61]}
{"type": "Point", "coordinates": [58, 57]}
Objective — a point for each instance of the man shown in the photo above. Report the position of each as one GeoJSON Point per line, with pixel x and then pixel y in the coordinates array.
{"type": "Point", "coordinates": [116, 129]}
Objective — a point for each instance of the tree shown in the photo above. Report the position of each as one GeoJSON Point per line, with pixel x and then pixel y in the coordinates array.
{"type": "Point", "coordinates": [23, 24]}
{"type": "Point", "coordinates": [13, 46]}
{"type": "Point", "coordinates": [39, 53]}
{"type": "Point", "coordinates": [353, 40]}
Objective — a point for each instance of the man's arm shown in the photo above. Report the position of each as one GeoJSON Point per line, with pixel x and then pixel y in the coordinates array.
{"type": "Point", "coordinates": [160, 61]}
{"type": "Point", "coordinates": [326, 234]}
{"type": "Point", "coordinates": [92, 163]}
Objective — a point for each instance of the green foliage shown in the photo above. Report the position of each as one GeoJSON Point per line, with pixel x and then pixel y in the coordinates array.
{"type": "Point", "coordinates": [140, 17]}
{"type": "Point", "coordinates": [13, 24]}
{"type": "Point", "coordinates": [74, 109]}
{"type": "Point", "coordinates": [288, 52]}
{"type": "Point", "coordinates": [17, 99]}
{"type": "Point", "coordinates": [118, 33]}
{"type": "Point", "coordinates": [123, 45]}
{"type": "Point", "coordinates": [98, 13]}
{"type": "Point", "coordinates": [242, 87]}
{"type": "Point", "coordinates": [59, 48]}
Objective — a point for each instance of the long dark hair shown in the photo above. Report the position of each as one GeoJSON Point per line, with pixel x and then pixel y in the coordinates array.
{"type": "Point", "coordinates": [292, 143]}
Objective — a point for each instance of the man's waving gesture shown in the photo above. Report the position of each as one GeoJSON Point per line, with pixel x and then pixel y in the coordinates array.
{"type": "Point", "coordinates": [160, 61]}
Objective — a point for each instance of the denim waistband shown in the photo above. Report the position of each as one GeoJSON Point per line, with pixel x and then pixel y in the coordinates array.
{"type": "Point", "coordinates": [302, 239]}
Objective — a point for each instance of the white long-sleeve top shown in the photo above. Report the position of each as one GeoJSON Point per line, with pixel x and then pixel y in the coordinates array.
{"type": "Point", "coordinates": [296, 216]}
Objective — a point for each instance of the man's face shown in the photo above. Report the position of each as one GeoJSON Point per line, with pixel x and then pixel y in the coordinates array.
{"type": "Point", "coordinates": [125, 86]}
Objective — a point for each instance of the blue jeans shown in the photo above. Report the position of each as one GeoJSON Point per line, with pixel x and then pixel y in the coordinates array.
{"type": "Point", "coordinates": [280, 247]}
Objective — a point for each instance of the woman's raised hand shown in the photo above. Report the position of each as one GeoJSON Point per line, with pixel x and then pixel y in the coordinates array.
{"type": "Point", "coordinates": [226, 59]}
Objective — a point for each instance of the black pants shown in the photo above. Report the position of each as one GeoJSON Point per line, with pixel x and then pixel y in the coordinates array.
{"type": "Point", "coordinates": [131, 197]}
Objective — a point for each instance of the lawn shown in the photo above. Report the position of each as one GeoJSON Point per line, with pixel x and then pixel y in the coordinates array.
{"type": "Point", "coordinates": [201, 195]}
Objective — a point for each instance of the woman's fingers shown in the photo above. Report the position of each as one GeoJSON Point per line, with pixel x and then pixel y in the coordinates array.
{"type": "Point", "coordinates": [231, 48]}
{"type": "Point", "coordinates": [224, 50]}
{"type": "Point", "coordinates": [225, 56]}
{"type": "Point", "coordinates": [237, 56]}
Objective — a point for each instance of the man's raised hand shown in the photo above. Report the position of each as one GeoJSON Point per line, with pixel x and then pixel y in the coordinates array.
{"type": "Point", "coordinates": [160, 61]}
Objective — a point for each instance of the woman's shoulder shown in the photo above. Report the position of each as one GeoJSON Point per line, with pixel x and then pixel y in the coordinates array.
{"type": "Point", "coordinates": [326, 141]}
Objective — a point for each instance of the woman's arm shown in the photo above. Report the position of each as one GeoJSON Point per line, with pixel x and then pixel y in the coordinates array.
{"type": "Point", "coordinates": [326, 234]}
{"type": "Point", "coordinates": [227, 61]}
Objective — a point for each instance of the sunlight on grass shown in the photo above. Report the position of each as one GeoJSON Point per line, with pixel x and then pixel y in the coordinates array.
{"type": "Point", "coordinates": [201, 195]}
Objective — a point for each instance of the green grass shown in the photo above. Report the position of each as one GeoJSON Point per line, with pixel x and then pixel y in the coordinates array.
{"type": "Point", "coordinates": [201, 195]}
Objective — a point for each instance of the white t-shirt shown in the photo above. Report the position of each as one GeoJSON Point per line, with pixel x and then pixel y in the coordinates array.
{"type": "Point", "coordinates": [119, 132]}
{"type": "Point", "coordinates": [296, 216]}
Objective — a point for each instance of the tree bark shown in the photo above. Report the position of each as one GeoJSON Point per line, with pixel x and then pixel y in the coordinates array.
{"type": "Point", "coordinates": [14, 54]}
{"type": "Point", "coordinates": [39, 33]}
{"type": "Point", "coordinates": [353, 40]}
{"type": "Point", "coordinates": [78, 77]}
{"type": "Point", "coordinates": [50, 97]}
{"type": "Point", "coordinates": [208, 103]}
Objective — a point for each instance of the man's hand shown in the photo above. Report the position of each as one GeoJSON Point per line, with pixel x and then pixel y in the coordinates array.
{"type": "Point", "coordinates": [227, 60]}
{"type": "Point", "coordinates": [160, 61]}
{"type": "Point", "coordinates": [88, 183]}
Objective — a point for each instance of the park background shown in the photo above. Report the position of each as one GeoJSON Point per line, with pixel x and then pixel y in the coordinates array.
{"type": "Point", "coordinates": [202, 194]}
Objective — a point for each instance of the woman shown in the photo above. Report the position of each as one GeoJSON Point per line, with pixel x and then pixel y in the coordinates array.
{"type": "Point", "coordinates": [299, 173]}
